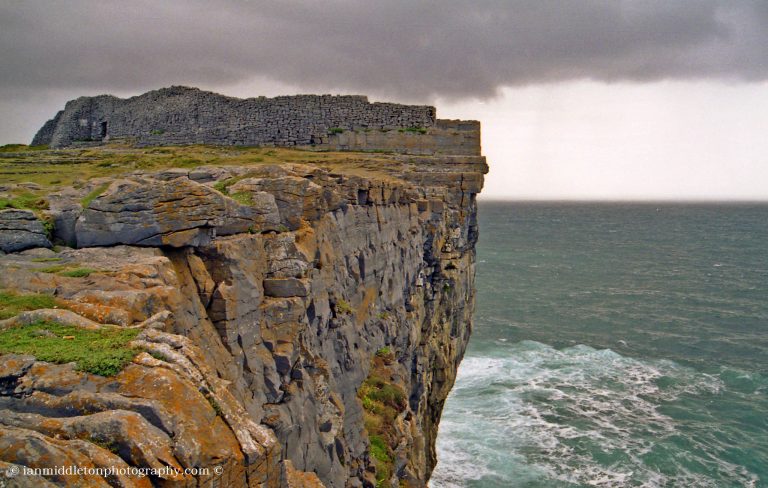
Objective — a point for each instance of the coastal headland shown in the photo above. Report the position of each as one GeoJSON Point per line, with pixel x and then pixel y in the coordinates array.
{"type": "Point", "coordinates": [234, 292]}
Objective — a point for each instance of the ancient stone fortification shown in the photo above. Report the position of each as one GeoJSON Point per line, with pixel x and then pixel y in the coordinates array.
{"type": "Point", "coordinates": [300, 325]}
{"type": "Point", "coordinates": [181, 115]}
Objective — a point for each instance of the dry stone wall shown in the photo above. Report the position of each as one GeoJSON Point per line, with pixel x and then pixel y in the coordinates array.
{"type": "Point", "coordinates": [182, 115]}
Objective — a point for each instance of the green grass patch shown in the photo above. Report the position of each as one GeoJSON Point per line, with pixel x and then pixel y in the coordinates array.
{"type": "Point", "coordinates": [243, 197]}
{"type": "Point", "coordinates": [75, 166]}
{"type": "Point", "coordinates": [93, 195]}
{"type": "Point", "coordinates": [343, 307]}
{"type": "Point", "coordinates": [53, 269]}
{"type": "Point", "coordinates": [21, 148]}
{"type": "Point", "coordinates": [45, 260]}
{"type": "Point", "coordinates": [379, 449]}
{"type": "Point", "coordinates": [12, 304]}
{"type": "Point", "coordinates": [68, 271]}
{"type": "Point", "coordinates": [158, 356]}
{"type": "Point", "coordinates": [382, 402]}
{"type": "Point", "coordinates": [223, 185]}
{"type": "Point", "coordinates": [104, 352]}
{"type": "Point", "coordinates": [24, 201]}
{"type": "Point", "coordinates": [335, 130]}
{"type": "Point", "coordinates": [385, 352]}
{"type": "Point", "coordinates": [415, 130]}
{"type": "Point", "coordinates": [382, 391]}
{"type": "Point", "coordinates": [48, 226]}
{"type": "Point", "coordinates": [380, 452]}
{"type": "Point", "coordinates": [78, 272]}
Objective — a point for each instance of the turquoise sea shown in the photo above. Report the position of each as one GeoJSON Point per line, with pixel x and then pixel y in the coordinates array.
{"type": "Point", "coordinates": [614, 345]}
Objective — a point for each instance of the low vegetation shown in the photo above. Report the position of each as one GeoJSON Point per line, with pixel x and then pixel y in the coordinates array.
{"type": "Point", "coordinates": [384, 352]}
{"type": "Point", "coordinates": [24, 201]}
{"type": "Point", "coordinates": [415, 130]}
{"type": "Point", "coordinates": [243, 197]}
{"type": "Point", "coordinates": [75, 166]}
{"type": "Point", "coordinates": [382, 402]}
{"type": "Point", "coordinates": [78, 272]}
{"type": "Point", "coordinates": [68, 270]}
{"type": "Point", "coordinates": [12, 304]}
{"type": "Point", "coordinates": [12, 148]}
{"type": "Point", "coordinates": [342, 307]}
{"type": "Point", "coordinates": [93, 195]}
{"type": "Point", "coordinates": [104, 352]}
{"type": "Point", "coordinates": [45, 260]}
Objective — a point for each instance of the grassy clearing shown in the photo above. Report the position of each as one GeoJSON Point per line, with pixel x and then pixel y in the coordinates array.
{"type": "Point", "coordinates": [12, 304]}
{"type": "Point", "coordinates": [103, 352]}
{"type": "Point", "coordinates": [382, 402]}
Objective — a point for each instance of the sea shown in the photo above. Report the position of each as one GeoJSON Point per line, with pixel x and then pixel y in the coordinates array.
{"type": "Point", "coordinates": [615, 344]}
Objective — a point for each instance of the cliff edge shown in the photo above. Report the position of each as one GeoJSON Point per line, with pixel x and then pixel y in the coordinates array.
{"type": "Point", "coordinates": [235, 316]}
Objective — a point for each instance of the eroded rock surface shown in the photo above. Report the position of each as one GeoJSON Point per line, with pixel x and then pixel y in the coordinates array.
{"type": "Point", "coordinates": [262, 295]}
{"type": "Point", "coordinates": [21, 229]}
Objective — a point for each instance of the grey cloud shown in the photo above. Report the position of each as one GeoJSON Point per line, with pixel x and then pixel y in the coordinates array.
{"type": "Point", "coordinates": [408, 50]}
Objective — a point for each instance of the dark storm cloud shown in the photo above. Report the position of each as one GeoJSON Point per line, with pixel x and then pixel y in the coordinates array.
{"type": "Point", "coordinates": [407, 49]}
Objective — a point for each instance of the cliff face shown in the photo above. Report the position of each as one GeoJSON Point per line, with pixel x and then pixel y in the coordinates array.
{"type": "Point", "coordinates": [293, 324]}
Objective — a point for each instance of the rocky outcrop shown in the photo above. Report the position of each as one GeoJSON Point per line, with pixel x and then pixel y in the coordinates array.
{"type": "Point", "coordinates": [288, 318]}
{"type": "Point", "coordinates": [21, 229]}
{"type": "Point", "coordinates": [148, 212]}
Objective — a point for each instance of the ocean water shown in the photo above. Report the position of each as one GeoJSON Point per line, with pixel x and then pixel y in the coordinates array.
{"type": "Point", "coordinates": [614, 345]}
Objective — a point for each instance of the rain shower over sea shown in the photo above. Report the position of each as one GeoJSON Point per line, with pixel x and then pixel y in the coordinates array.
{"type": "Point", "coordinates": [614, 345]}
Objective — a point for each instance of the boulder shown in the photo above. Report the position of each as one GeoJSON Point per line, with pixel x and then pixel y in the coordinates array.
{"type": "Point", "coordinates": [296, 197]}
{"type": "Point", "coordinates": [21, 229]}
{"type": "Point", "coordinates": [176, 213]}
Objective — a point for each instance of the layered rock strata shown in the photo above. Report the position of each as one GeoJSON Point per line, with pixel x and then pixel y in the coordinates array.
{"type": "Point", "coordinates": [261, 295]}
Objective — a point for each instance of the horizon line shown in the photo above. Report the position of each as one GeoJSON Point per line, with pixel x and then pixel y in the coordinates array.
{"type": "Point", "coordinates": [494, 199]}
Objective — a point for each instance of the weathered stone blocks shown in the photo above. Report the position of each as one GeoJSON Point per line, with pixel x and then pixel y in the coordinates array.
{"type": "Point", "coordinates": [175, 213]}
{"type": "Point", "coordinates": [21, 229]}
{"type": "Point", "coordinates": [286, 287]}
{"type": "Point", "coordinates": [182, 115]}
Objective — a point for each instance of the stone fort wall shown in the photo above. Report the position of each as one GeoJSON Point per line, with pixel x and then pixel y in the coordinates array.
{"type": "Point", "coordinates": [182, 115]}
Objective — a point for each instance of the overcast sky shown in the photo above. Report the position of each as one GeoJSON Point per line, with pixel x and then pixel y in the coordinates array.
{"type": "Point", "coordinates": [578, 98]}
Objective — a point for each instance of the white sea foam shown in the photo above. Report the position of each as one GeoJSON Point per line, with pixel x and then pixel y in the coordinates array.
{"type": "Point", "coordinates": [531, 415]}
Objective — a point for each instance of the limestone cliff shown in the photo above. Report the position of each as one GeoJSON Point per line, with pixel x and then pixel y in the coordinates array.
{"type": "Point", "coordinates": [293, 324]}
